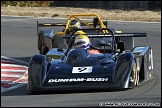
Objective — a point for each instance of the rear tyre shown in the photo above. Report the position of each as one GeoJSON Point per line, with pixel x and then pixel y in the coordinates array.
{"type": "Point", "coordinates": [43, 49]}
{"type": "Point", "coordinates": [40, 43]}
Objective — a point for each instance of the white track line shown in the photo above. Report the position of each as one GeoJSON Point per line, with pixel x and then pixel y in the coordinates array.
{"type": "Point", "coordinates": [10, 70]}
{"type": "Point", "coordinates": [10, 75]}
{"type": "Point", "coordinates": [13, 65]}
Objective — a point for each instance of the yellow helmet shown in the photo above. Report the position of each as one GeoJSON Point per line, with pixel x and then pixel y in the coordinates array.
{"type": "Point", "coordinates": [79, 32]}
{"type": "Point", "coordinates": [82, 41]}
{"type": "Point", "coordinates": [74, 24]}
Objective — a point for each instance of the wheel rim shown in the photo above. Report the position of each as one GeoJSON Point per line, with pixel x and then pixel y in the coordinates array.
{"type": "Point", "coordinates": [135, 76]}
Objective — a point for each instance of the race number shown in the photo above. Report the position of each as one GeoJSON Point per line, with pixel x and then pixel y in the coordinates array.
{"type": "Point", "coordinates": [82, 69]}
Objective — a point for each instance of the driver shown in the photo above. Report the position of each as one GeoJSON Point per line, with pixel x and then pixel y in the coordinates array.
{"type": "Point", "coordinates": [83, 41]}
{"type": "Point", "coordinates": [74, 24]}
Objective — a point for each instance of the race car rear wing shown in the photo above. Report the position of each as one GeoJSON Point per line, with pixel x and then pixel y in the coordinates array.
{"type": "Point", "coordinates": [118, 35]}
{"type": "Point", "coordinates": [47, 25]}
{"type": "Point", "coordinates": [102, 35]}
{"type": "Point", "coordinates": [96, 33]}
{"type": "Point", "coordinates": [63, 24]}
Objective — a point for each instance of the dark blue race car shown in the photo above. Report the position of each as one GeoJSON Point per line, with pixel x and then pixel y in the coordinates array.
{"type": "Point", "coordinates": [73, 69]}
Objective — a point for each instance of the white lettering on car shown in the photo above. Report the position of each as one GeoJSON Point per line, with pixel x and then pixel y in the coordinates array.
{"type": "Point", "coordinates": [77, 80]}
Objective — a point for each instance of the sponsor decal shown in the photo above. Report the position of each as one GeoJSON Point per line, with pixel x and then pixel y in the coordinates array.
{"type": "Point", "coordinates": [77, 80]}
{"type": "Point", "coordinates": [82, 69]}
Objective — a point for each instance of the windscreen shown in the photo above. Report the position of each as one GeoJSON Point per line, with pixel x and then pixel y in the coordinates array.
{"type": "Point", "coordinates": [81, 57]}
{"type": "Point", "coordinates": [76, 55]}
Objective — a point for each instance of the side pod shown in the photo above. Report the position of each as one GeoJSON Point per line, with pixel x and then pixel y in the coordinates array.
{"type": "Point", "coordinates": [144, 58]}
{"type": "Point", "coordinates": [123, 70]}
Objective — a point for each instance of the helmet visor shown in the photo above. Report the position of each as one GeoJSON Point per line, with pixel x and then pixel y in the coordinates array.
{"type": "Point", "coordinates": [80, 43]}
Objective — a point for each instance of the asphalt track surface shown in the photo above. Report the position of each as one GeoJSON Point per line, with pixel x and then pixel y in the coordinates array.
{"type": "Point", "coordinates": [19, 41]}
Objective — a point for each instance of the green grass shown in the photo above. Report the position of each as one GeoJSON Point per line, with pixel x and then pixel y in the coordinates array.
{"type": "Point", "coordinates": [27, 3]}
